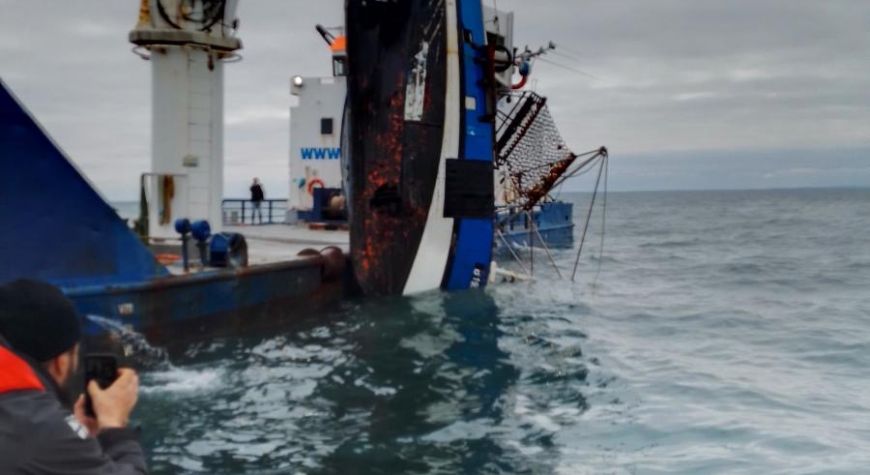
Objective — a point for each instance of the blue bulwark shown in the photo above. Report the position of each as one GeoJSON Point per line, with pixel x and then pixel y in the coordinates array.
{"type": "Point", "coordinates": [472, 237]}
{"type": "Point", "coordinates": [55, 226]}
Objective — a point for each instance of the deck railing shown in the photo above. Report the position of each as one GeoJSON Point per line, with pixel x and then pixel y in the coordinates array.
{"type": "Point", "coordinates": [237, 212]}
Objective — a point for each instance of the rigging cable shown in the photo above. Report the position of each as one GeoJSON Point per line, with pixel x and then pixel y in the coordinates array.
{"type": "Point", "coordinates": [589, 216]}
{"type": "Point", "coordinates": [569, 68]}
{"type": "Point", "coordinates": [566, 56]}
{"type": "Point", "coordinates": [513, 253]}
{"type": "Point", "coordinates": [215, 15]}
{"type": "Point", "coordinates": [495, 19]}
{"type": "Point", "coordinates": [163, 14]}
{"type": "Point", "coordinates": [213, 12]}
{"type": "Point", "coordinates": [569, 50]}
{"type": "Point", "coordinates": [582, 169]}
{"type": "Point", "coordinates": [603, 221]}
{"type": "Point", "coordinates": [534, 227]}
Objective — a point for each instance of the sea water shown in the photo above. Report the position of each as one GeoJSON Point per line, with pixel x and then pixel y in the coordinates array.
{"type": "Point", "coordinates": [726, 332]}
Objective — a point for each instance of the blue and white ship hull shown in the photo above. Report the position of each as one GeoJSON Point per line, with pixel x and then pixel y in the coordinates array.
{"type": "Point", "coordinates": [421, 146]}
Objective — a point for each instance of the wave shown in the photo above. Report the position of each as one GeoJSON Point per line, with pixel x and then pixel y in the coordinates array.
{"type": "Point", "coordinates": [180, 380]}
{"type": "Point", "coordinates": [677, 243]}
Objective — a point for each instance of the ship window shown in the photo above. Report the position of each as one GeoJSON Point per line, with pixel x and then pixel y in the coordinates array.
{"type": "Point", "coordinates": [326, 126]}
{"type": "Point", "coordinates": [339, 66]}
{"type": "Point", "coordinates": [494, 39]}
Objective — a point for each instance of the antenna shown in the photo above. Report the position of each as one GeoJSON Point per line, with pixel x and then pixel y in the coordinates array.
{"type": "Point", "coordinates": [328, 37]}
{"type": "Point", "coordinates": [528, 54]}
{"type": "Point", "coordinates": [495, 18]}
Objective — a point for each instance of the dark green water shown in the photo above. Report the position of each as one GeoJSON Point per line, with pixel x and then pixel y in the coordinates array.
{"type": "Point", "coordinates": [728, 332]}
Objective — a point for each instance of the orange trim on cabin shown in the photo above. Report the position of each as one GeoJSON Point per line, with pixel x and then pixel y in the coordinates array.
{"type": "Point", "coordinates": [339, 45]}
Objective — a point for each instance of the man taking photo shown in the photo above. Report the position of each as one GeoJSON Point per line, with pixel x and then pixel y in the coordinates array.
{"type": "Point", "coordinates": [43, 425]}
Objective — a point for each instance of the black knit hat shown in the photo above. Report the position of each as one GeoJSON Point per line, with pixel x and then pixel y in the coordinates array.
{"type": "Point", "coordinates": [37, 319]}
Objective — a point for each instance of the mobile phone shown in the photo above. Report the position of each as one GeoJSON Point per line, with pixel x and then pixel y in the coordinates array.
{"type": "Point", "coordinates": [102, 368]}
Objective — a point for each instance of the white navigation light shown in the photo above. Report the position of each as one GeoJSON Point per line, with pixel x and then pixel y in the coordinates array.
{"type": "Point", "coordinates": [297, 81]}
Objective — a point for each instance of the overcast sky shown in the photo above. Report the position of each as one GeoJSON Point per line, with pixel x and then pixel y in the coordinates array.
{"type": "Point", "coordinates": [687, 94]}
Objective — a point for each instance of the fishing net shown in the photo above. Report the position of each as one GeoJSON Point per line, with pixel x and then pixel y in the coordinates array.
{"type": "Point", "coordinates": [530, 152]}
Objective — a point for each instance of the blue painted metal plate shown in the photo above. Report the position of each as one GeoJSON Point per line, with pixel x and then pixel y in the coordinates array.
{"type": "Point", "coordinates": [56, 227]}
{"type": "Point", "coordinates": [473, 237]}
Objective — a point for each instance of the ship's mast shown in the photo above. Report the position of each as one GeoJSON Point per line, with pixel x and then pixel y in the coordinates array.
{"type": "Point", "coordinates": [187, 42]}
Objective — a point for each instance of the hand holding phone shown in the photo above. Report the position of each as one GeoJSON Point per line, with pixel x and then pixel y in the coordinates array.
{"type": "Point", "coordinates": [114, 404]}
{"type": "Point", "coordinates": [102, 368]}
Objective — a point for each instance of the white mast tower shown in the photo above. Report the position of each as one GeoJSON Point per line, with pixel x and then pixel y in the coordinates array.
{"type": "Point", "coordinates": [187, 42]}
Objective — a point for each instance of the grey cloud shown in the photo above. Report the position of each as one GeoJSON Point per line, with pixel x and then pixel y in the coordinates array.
{"type": "Point", "coordinates": [676, 81]}
{"type": "Point", "coordinates": [773, 74]}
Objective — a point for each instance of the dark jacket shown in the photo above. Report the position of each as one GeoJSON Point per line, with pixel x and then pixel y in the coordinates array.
{"type": "Point", "coordinates": [38, 435]}
{"type": "Point", "coordinates": [257, 194]}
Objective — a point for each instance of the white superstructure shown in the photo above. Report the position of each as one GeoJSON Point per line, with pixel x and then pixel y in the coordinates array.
{"type": "Point", "coordinates": [315, 120]}
{"type": "Point", "coordinates": [499, 26]}
{"type": "Point", "coordinates": [315, 129]}
{"type": "Point", "coordinates": [187, 42]}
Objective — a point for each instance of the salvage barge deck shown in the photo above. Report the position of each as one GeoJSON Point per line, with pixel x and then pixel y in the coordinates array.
{"type": "Point", "coordinates": [285, 281]}
{"type": "Point", "coordinates": [275, 242]}
{"type": "Point", "coordinates": [72, 238]}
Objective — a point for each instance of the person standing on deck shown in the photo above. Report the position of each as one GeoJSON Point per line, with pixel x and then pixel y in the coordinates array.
{"type": "Point", "coordinates": [257, 197]}
{"type": "Point", "coordinates": [43, 425]}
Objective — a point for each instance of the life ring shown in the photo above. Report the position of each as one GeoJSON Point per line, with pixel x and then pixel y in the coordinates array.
{"type": "Point", "coordinates": [521, 84]}
{"type": "Point", "coordinates": [167, 259]}
{"type": "Point", "coordinates": [525, 70]}
{"type": "Point", "coordinates": [316, 181]}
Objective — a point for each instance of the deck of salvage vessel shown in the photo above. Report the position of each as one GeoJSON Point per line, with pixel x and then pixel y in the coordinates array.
{"type": "Point", "coordinates": [272, 243]}
{"type": "Point", "coordinates": [280, 242]}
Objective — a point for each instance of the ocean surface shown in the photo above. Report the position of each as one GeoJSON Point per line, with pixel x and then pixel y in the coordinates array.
{"type": "Point", "coordinates": [719, 332]}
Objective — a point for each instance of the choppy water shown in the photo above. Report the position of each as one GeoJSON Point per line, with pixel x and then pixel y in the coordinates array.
{"type": "Point", "coordinates": [729, 332]}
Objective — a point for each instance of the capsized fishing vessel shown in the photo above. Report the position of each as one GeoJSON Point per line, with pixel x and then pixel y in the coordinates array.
{"type": "Point", "coordinates": [420, 122]}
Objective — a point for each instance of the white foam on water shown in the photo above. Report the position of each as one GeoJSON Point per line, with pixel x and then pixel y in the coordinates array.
{"type": "Point", "coordinates": [178, 380]}
{"type": "Point", "coordinates": [134, 344]}
{"type": "Point", "coordinates": [462, 431]}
